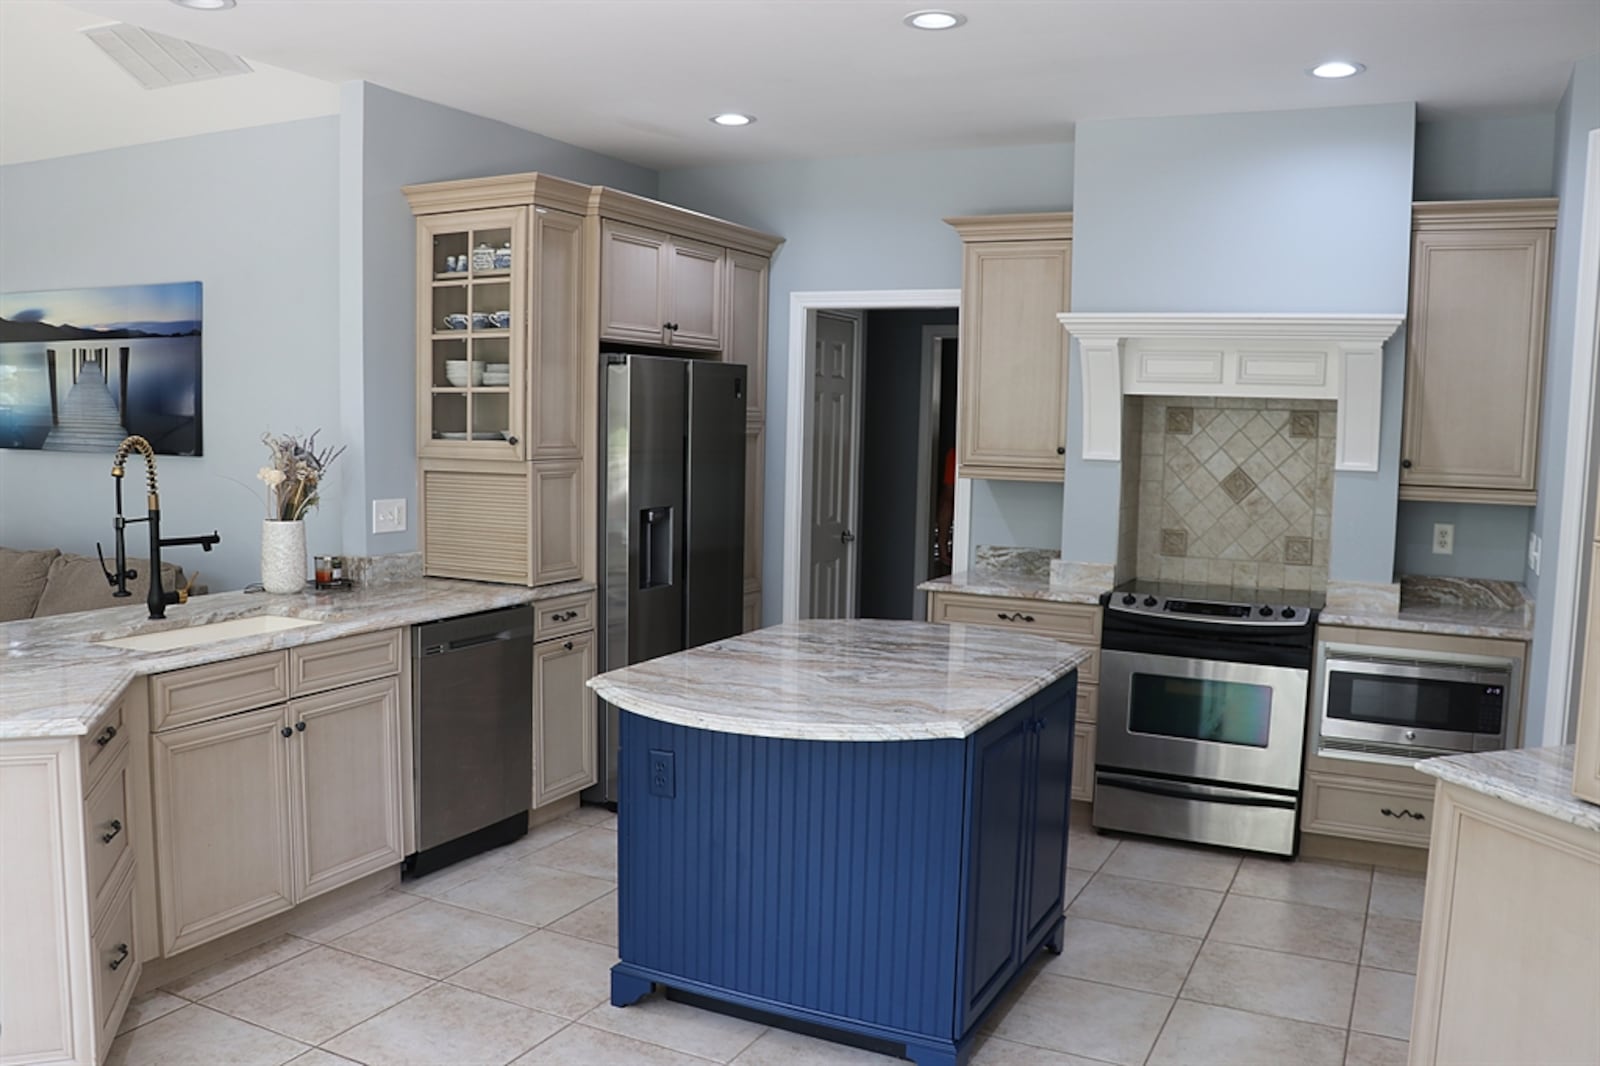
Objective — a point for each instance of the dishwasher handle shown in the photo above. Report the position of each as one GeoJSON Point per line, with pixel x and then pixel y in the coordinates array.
{"type": "Point", "coordinates": [478, 640]}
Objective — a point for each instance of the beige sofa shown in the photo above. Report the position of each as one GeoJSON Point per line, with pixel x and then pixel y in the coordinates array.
{"type": "Point", "coordinates": [34, 584]}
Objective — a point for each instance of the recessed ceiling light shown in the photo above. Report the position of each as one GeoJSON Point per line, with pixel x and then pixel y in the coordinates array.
{"type": "Point", "coordinates": [206, 5]}
{"type": "Point", "coordinates": [934, 19]}
{"type": "Point", "coordinates": [732, 118]}
{"type": "Point", "coordinates": [1336, 68]}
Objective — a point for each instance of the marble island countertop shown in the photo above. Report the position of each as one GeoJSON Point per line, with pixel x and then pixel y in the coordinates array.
{"type": "Point", "coordinates": [1539, 779]}
{"type": "Point", "coordinates": [55, 681]}
{"type": "Point", "coordinates": [844, 680]}
{"type": "Point", "coordinates": [985, 581]}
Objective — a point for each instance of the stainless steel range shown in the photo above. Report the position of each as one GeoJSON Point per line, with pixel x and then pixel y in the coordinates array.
{"type": "Point", "coordinates": [1203, 696]}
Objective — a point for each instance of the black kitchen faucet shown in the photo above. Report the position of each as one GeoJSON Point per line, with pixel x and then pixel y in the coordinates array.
{"type": "Point", "coordinates": [158, 598]}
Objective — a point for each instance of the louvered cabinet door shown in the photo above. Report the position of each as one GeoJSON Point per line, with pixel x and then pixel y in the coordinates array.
{"type": "Point", "coordinates": [476, 521]}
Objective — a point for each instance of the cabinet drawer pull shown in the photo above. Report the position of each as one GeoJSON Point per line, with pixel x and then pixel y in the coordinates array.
{"type": "Point", "coordinates": [287, 732]}
{"type": "Point", "coordinates": [115, 828]}
{"type": "Point", "coordinates": [1017, 616]}
{"type": "Point", "coordinates": [567, 645]}
{"type": "Point", "coordinates": [563, 616]}
{"type": "Point", "coordinates": [1407, 813]}
{"type": "Point", "coordinates": [106, 735]}
{"type": "Point", "coordinates": [300, 726]}
{"type": "Point", "coordinates": [122, 956]}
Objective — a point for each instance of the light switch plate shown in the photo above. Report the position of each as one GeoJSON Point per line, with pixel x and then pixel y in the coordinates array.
{"type": "Point", "coordinates": [1534, 545]}
{"type": "Point", "coordinates": [389, 516]}
{"type": "Point", "coordinates": [1444, 538]}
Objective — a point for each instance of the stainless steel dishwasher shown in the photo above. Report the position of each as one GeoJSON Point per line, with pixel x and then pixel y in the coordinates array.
{"type": "Point", "coordinates": [472, 733]}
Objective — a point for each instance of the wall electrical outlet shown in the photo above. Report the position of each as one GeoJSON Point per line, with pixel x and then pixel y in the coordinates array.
{"type": "Point", "coordinates": [1444, 538]}
{"type": "Point", "coordinates": [1534, 545]}
{"type": "Point", "coordinates": [389, 516]}
{"type": "Point", "coordinates": [663, 776]}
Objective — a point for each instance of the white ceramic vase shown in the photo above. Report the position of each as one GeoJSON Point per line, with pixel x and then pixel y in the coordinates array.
{"type": "Point", "coordinates": [283, 556]}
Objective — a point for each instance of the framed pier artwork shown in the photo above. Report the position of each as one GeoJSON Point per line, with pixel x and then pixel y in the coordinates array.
{"type": "Point", "coordinates": [82, 368]}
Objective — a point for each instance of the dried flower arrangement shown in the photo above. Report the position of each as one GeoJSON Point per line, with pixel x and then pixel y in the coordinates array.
{"type": "Point", "coordinates": [294, 476]}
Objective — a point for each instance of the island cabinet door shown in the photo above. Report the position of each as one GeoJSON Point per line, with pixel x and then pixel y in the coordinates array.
{"type": "Point", "coordinates": [997, 797]}
{"type": "Point", "coordinates": [1046, 825]}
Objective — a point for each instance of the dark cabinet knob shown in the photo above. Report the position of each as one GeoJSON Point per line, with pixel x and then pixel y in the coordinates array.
{"type": "Point", "coordinates": [1406, 463]}
{"type": "Point", "coordinates": [299, 727]}
{"type": "Point", "coordinates": [511, 441]}
{"type": "Point", "coordinates": [114, 829]}
{"type": "Point", "coordinates": [106, 735]}
{"type": "Point", "coordinates": [287, 732]}
{"type": "Point", "coordinates": [567, 645]}
{"type": "Point", "coordinates": [1062, 450]}
{"type": "Point", "coordinates": [121, 952]}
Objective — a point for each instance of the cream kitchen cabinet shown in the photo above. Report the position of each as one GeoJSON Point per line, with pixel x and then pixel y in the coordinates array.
{"type": "Point", "coordinates": [745, 336]}
{"type": "Point", "coordinates": [1475, 349]}
{"type": "Point", "coordinates": [1016, 277]}
{"type": "Point", "coordinates": [518, 523]}
{"type": "Point", "coordinates": [660, 289]}
{"type": "Point", "coordinates": [1586, 757]}
{"type": "Point", "coordinates": [565, 753]}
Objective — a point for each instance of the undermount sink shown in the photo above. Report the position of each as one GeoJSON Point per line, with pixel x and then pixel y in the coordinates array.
{"type": "Point", "coordinates": [254, 626]}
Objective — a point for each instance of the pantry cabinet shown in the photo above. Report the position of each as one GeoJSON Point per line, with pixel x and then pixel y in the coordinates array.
{"type": "Point", "coordinates": [1012, 401]}
{"type": "Point", "coordinates": [1475, 350]}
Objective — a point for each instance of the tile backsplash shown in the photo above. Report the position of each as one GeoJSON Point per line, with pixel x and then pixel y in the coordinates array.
{"type": "Point", "coordinates": [1229, 491]}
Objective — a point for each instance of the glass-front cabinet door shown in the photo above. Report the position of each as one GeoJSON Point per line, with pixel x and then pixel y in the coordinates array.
{"type": "Point", "coordinates": [472, 333]}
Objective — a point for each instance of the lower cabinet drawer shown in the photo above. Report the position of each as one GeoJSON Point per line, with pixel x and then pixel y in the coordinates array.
{"type": "Point", "coordinates": [1368, 809]}
{"type": "Point", "coordinates": [105, 822]}
{"type": "Point", "coordinates": [116, 966]}
{"type": "Point", "coordinates": [568, 614]}
{"type": "Point", "coordinates": [100, 747]}
{"type": "Point", "coordinates": [1083, 761]}
{"type": "Point", "coordinates": [330, 664]}
{"type": "Point", "coordinates": [1076, 623]}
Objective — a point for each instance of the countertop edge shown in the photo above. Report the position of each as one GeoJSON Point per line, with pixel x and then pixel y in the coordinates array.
{"type": "Point", "coordinates": [110, 676]}
{"type": "Point", "coordinates": [1014, 586]}
{"type": "Point", "coordinates": [1534, 794]}
{"type": "Point", "coordinates": [1407, 621]}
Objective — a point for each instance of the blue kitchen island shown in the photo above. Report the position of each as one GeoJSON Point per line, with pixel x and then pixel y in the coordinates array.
{"type": "Point", "coordinates": [858, 825]}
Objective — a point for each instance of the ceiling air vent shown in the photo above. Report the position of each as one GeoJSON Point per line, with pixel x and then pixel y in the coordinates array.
{"type": "Point", "coordinates": [157, 61]}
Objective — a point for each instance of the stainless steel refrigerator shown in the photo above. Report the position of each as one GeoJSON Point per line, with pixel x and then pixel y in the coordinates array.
{"type": "Point", "coordinates": [672, 503]}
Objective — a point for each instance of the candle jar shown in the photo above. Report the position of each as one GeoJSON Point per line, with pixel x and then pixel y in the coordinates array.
{"type": "Point", "coordinates": [324, 568]}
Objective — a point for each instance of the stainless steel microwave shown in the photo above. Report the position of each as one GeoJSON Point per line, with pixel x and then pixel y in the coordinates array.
{"type": "Point", "coordinates": [1412, 704]}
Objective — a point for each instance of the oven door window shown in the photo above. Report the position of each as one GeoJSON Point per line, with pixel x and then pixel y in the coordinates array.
{"type": "Point", "coordinates": [1415, 703]}
{"type": "Point", "coordinates": [1192, 708]}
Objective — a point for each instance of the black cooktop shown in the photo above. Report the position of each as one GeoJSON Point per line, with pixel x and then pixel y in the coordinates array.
{"type": "Point", "coordinates": [1223, 593]}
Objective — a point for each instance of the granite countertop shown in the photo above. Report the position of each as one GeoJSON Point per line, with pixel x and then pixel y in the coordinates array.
{"type": "Point", "coordinates": [55, 682]}
{"type": "Point", "coordinates": [1460, 607]}
{"type": "Point", "coordinates": [1539, 779]}
{"type": "Point", "coordinates": [983, 581]}
{"type": "Point", "coordinates": [845, 680]}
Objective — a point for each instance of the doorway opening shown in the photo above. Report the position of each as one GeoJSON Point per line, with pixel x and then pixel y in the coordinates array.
{"type": "Point", "coordinates": [873, 506]}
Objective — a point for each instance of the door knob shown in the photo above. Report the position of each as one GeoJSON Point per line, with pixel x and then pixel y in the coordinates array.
{"type": "Point", "coordinates": [846, 537]}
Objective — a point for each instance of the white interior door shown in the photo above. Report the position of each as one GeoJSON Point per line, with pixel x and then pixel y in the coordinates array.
{"type": "Point", "coordinates": [835, 464]}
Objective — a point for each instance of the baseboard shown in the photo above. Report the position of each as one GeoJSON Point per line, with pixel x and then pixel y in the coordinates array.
{"type": "Point", "coordinates": [1366, 852]}
{"type": "Point", "coordinates": [551, 811]}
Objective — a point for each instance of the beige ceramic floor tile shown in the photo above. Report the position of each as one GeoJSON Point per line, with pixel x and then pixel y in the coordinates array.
{"type": "Point", "coordinates": [1152, 905]}
{"type": "Point", "coordinates": [596, 921]}
{"type": "Point", "coordinates": [540, 837]}
{"type": "Point", "coordinates": [1319, 884]}
{"type": "Point", "coordinates": [236, 968]}
{"type": "Point", "coordinates": [1199, 1034]}
{"type": "Point", "coordinates": [433, 939]}
{"type": "Point", "coordinates": [1383, 1003]}
{"type": "Point", "coordinates": [1397, 894]}
{"type": "Point", "coordinates": [1074, 883]}
{"type": "Point", "coordinates": [1172, 863]}
{"type": "Point", "coordinates": [779, 1047]}
{"type": "Point", "coordinates": [1391, 943]}
{"type": "Point", "coordinates": [443, 1024]}
{"type": "Point", "coordinates": [546, 971]}
{"type": "Point", "coordinates": [592, 853]}
{"type": "Point", "coordinates": [195, 1036]}
{"type": "Point", "coordinates": [326, 928]}
{"type": "Point", "coordinates": [1087, 849]}
{"type": "Point", "coordinates": [579, 1045]}
{"type": "Point", "coordinates": [993, 1051]}
{"type": "Point", "coordinates": [658, 1020]}
{"type": "Point", "coordinates": [317, 1057]}
{"type": "Point", "coordinates": [318, 994]}
{"type": "Point", "coordinates": [1294, 927]}
{"type": "Point", "coordinates": [1083, 1018]}
{"type": "Point", "coordinates": [591, 814]}
{"type": "Point", "coordinates": [148, 1007]}
{"type": "Point", "coordinates": [1368, 1050]}
{"type": "Point", "coordinates": [1128, 958]}
{"type": "Point", "coordinates": [457, 874]}
{"type": "Point", "coordinates": [528, 892]}
{"type": "Point", "coordinates": [1270, 982]}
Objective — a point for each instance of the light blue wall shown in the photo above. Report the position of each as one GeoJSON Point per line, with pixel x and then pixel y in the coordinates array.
{"type": "Point", "coordinates": [869, 222]}
{"type": "Point", "coordinates": [252, 214]}
{"type": "Point", "coordinates": [1278, 211]}
{"type": "Point", "coordinates": [1489, 540]}
{"type": "Point", "coordinates": [398, 140]}
{"type": "Point", "coordinates": [1579, 113]}
{"type": "Point", "coordinates": [1017, 513]}
{"type": "Point", "coordinates": [1486, 158]}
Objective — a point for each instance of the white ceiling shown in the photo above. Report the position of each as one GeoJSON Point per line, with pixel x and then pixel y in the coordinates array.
{"type": "Point", "coordinates": [61, 95]}
{"type": "Point", "coordinates": [638, 78]}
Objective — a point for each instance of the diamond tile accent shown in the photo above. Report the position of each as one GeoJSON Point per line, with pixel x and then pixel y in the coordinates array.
{"type": "Point", "coordinates": [1297, 551]}
{"type": "Point", "coordinates": [1174, 542]}
{"type": "Point", "coordinates": [1238, 484]}
{"type": "Point", "coordinates": [1180, 420]}
{"type": "Point", "coordinates": [1303, 423]}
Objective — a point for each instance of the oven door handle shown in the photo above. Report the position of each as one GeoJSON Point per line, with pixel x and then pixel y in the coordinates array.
{"type": "Point", "coordinates": [1179, 790]}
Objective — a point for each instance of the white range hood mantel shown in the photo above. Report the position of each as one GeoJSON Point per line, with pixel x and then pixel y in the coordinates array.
{"type": "Point", "coordinates": [1294, 356]}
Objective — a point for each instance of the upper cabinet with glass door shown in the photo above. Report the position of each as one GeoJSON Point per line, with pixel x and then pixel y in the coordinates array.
{"type": "Point", "coordinates": [472, 329]}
